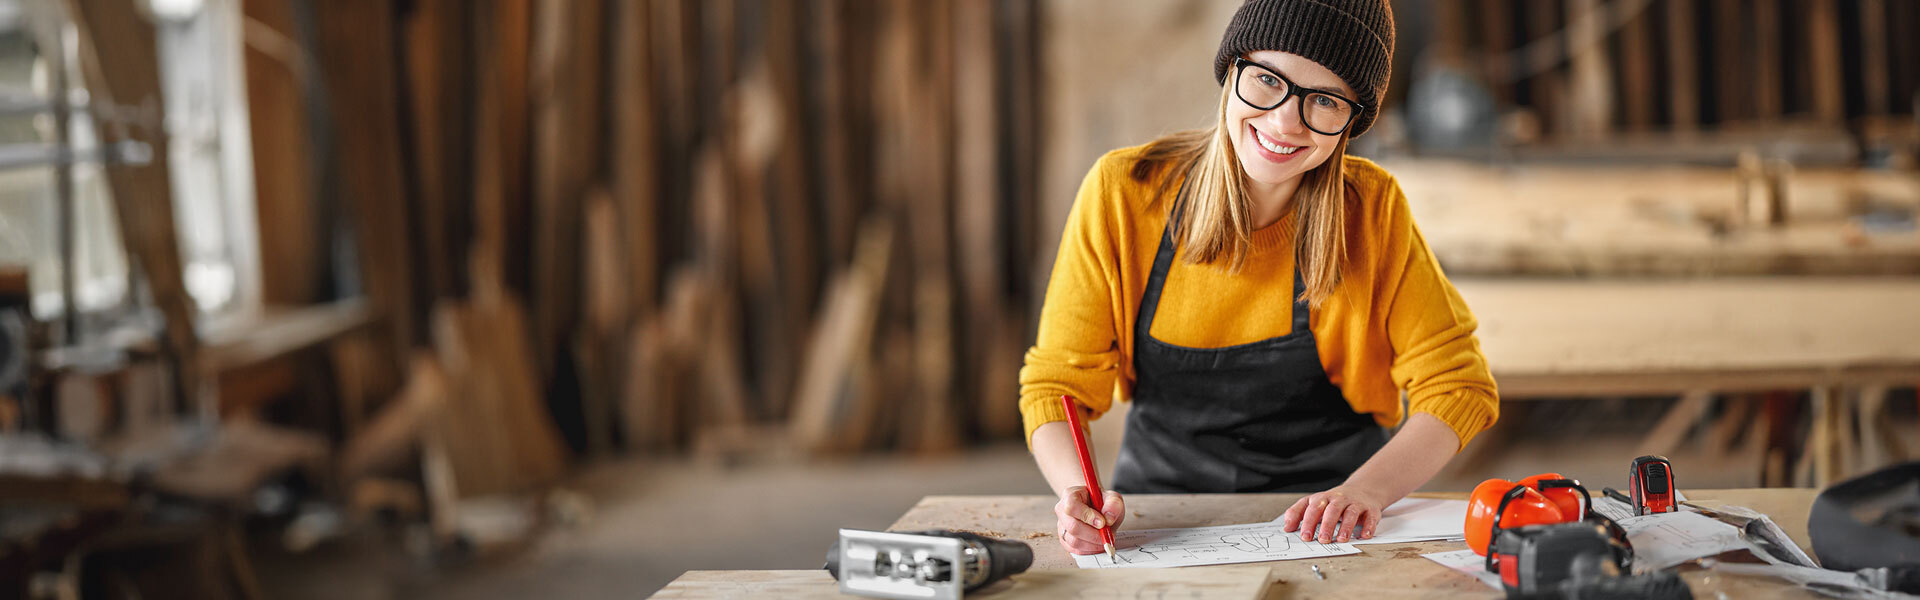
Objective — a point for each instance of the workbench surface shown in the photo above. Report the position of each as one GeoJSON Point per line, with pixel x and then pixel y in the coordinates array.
{"type": "Point", "coordinates": [1654, 337]}
{"type": "Point", "coordinates": [1382, 570]}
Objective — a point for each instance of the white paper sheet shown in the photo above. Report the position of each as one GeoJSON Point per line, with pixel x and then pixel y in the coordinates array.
{"type": "Point", "coordinates": [1667, 539]}
{"type": "Point", "coordinates": [1221, 544]}
{"type": "Point", "coordinates": [1420, 520]}
{"type": "Point", "coordinates": [1465, 561]}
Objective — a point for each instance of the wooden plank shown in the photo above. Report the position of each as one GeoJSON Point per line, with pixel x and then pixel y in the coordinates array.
{"type": "Point", "coordinates": [1734, 74]}
{"type": "Point", "coordinates": [923, 191]}
{"type": "Point", "coordinates": [498, 434]}
{"type": "Point", "coordinates": [1548, 94]}
{"type": "Point", "coordinates": [830, 411]}
{"type": "Point", "coordinates": [1496, 38]}
{"type": "Point", "coordinates": [602, 334]}
{"type": "Point", "coordinates": [1638, 92]}
{"type": "Point", "coordinates": [1666, 436]}
{"type": "Point", "coordinates": [118, 62]}
{"type": "Point", "coordinates": [1683, 76]}
{"type": "Point", "coordinates": [392, 434]}
{"type": "Point", "coordinates": [567, 120]}
{"type": "Point", "coordinates": [1824, 68]}
{"type": "Point", "coordinates": [788, 179]}
{"type": "Point", "coordinates": [1590, 82]}
{"type": "Point", "coordinates": [977, 223]}
{"type": "Point", "coordinates": [435, 43]}
{"type": "Point", "coordinates": [635, 149]}
{"type": "Point", "coordinates": [292, 259]}
{"type": "Point", "coordinates": [1237, 582]}
{"type": "Point", "coordinates": [1567, 222]}
{"type": "Point", "coordinates": [502, 153]}
{"type": "Point", "coordinates": [357, 53]}
{"type": "Point", "coordinates": [838, 37]}
{"type": "Point", "coordinates": [1767, 61]}
{"type": "Point", "coordinates": [1645, 333]}
{"type": "Point", "coordinates": [1876, 74]}
{"type": "Point", "coordinates": [753, 229]}
{"type": "Point", "coordinates": [280, 331]}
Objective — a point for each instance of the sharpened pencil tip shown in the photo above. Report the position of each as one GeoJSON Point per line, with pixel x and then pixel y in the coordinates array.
{"type": "Point", "coordinates": [1109, 551]}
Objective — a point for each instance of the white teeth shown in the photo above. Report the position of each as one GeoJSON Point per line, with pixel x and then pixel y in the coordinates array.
{"type": "Point", "coordinates": [1271, 147]}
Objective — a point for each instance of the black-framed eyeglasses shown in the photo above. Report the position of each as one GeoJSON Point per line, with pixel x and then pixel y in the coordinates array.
{"type": "Point", "coordinates": [1326, 113]}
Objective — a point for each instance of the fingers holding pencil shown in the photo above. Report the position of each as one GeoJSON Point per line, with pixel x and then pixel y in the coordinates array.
{"type": "Point", "coordinates": [1079, 525]}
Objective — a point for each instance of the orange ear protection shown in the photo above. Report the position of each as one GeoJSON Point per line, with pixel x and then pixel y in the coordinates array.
{"type": "Point", "coordinates": [1542, 499]}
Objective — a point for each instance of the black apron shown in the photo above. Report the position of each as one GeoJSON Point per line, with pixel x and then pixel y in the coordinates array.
{"type": "Point", "coordinates": [1257, 417]}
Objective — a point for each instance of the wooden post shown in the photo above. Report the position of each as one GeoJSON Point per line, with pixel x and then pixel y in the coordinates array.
{"type": "Point", "coordinates": [1766, 62]}
{"type": "Point", "coordinates": [118, 62]}
{"type": "Point", "coordinates": [436, 45]}
{"type": "Point", "coordinates": [358, 56]}
{"type": "Point", "coordinates": [293, 260]}
{"type": "Point", "coordinates": [1875, 76]}
{"type": "Point", "coordinates": [1734, 80]}
{"type": "Point", "coordinates": [1639, 96]}
{"type": "Point", "coordinates": [1823, 64]}
{"type": "Point", "coordinates": [1683, 78]}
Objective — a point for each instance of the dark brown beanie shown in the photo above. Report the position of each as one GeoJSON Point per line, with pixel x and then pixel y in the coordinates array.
{"type": "Point", "coordinates": [1352, 38]}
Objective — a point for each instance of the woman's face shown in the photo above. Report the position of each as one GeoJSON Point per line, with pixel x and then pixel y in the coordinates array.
{"type": "Point", "coordinates": [1274, 145]}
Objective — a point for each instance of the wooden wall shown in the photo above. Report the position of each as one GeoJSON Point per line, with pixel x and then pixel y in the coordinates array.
{"type": "Point", "coordinates": [724, 222]}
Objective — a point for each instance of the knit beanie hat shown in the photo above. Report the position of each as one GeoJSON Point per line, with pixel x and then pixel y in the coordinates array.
{"type": "Point", "coordinates": [1352, 38]}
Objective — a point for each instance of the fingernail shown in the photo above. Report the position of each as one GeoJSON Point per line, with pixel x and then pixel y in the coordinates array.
{"type": "Point", "coordinates": [1098, 522]}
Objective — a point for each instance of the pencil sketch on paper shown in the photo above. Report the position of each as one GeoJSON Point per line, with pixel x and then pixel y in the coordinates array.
{"type": "Point", "coordinates": [1222, 544]}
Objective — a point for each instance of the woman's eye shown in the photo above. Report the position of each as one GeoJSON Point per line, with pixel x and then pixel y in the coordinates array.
{"type": "Point", "coordinates": [1269, 81]}
{"type": "Point", "coordinates": [1323, 101]}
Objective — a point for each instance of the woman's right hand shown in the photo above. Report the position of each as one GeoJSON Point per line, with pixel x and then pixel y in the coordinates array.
{"type": "Point", "coordinates": [1078, 525]}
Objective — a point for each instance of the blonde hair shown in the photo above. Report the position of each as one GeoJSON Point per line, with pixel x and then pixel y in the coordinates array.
{"type": "Point", "coordinates": [1215, 218]}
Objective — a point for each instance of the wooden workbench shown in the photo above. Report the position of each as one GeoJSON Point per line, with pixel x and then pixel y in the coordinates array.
{"type": "Point", "coordinates": [1655, 221]}
{"type": "Point", "coordinates": [1384, 570]}
{"type": "Point", "coordinates": [1657, 337]}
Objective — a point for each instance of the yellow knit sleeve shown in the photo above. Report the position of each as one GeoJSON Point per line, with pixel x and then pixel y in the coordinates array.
{"type": "Point", "coordinates": [1436, 357]}
{"type": "Point", "coordinates": [1077, 350]}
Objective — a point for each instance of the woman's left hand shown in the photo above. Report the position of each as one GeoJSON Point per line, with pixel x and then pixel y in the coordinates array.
{"type": "Point", "coordinates": [1330, 516]}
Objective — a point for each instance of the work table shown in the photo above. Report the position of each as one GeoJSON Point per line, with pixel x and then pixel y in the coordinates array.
{"type": "Point", "coordinates": [1381, 570]}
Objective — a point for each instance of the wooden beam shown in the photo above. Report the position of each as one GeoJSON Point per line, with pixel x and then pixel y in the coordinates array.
{"type": "Point", "coordinates": [1824, 69]}
{"type": "Point", "coordinates": [435, 44]}
{"type": "Point", "coordinates": [1875, 72]}
{"type": "Point", "coordinates": [636, 150]}
{"type": "Point", "coordinates": [118, 59]}
{"type": "Point", "coordinates": [293, 260]}
{"type": "Point", "coordinates": [567, 146]}
{"type": "Point", "coordinates": [1683, 76]}
{"type": "Point", "coordinates": [359, 61]}
{"type": "Point", "coordinates": [1767, 61]}
{"type": "Point", "coordinates": [1735, 76]}
{"type": "Point", "coordinates": [1637, 90]}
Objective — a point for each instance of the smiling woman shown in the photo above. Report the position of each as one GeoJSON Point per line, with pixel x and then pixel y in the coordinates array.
{"type": "Point", "coordinates": [1262, 298]}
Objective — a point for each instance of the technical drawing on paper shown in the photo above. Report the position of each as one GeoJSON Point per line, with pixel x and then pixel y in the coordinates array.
{"type": "Point", "coordinates": [1222, 544]}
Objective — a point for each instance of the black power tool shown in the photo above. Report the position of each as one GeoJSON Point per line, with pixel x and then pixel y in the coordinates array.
{"type": "Point", "coordinates": [936, 564]}
{"type": "Point", "coordinates": [1582, 560]}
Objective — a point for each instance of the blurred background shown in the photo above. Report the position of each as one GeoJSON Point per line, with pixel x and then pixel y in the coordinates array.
{"type": "Point", "coordinates": [505, 298]}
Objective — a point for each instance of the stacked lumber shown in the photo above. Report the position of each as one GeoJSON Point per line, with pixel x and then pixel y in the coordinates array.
{"type": "Point", "coordinates": [723, 226]}
{"type": "Point", "coordinates": [1584, 69]}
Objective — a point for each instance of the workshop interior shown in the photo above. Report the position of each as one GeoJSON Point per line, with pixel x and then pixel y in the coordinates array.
{"type": "Point", "coordinates": [486, 299]}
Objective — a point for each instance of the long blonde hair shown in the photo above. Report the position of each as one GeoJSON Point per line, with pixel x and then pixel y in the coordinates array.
{"type": "Point", "coordinates": [1215, 216]}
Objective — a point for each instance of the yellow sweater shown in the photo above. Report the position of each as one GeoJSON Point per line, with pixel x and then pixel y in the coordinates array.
{"type": "Point", "coordinates": [1394, 323]}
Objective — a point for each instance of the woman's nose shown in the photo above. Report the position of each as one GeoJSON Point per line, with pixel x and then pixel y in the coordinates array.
{"type": "Point", "coordinates": [1285, 118]}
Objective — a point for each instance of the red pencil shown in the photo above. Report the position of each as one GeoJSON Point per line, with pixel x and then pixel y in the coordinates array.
{"type": "Point", "coordinates": [1094, 495]}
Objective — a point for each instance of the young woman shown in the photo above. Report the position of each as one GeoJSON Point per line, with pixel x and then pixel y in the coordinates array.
{"type": "Point", "coordinates": [1262, 297]}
